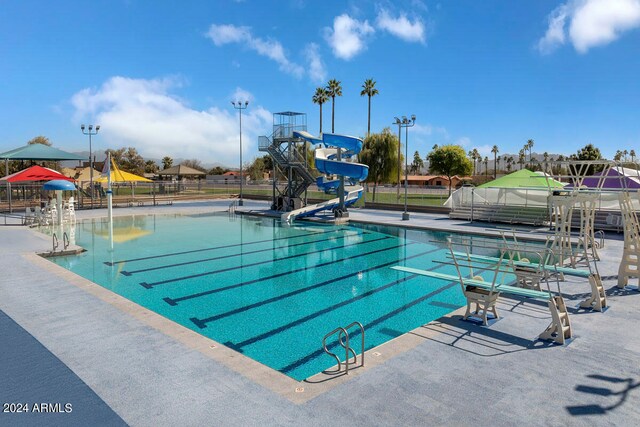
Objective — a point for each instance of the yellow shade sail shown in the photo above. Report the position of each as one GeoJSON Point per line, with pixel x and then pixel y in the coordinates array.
{"type": "Point", "coordinates": [118, 175]}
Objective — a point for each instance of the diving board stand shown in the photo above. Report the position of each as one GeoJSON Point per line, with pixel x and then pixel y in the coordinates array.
{"type": "Point", "coordinates": [485, 294]}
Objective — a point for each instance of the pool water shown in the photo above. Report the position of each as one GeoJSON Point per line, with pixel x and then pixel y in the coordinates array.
{"type": "Point", "coordinates": [270, 291]}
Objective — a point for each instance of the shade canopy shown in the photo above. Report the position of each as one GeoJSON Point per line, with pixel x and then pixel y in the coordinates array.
{"type": "Point", "coordinates": [35, 173]}
{"type": "Point", "coordinates": [181, 170]}
{"type": "Point", "coordinates": [615, 178]}
{"type": "Point", "coordinates": [118, 175]}
{"type": "Point", "coordinates": [39, 152]}
{"type": "Point", "coordinates": [59, 184]}
{"type": "Point", "coordinates": [523, 178]}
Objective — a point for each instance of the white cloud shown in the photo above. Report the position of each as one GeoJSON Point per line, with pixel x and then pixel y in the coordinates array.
{"type": "Point", "coordinates": [592, 23]}
{"type": "Point", "coordinates": [317, 69]}
{"type": "Point", "coordinates": [464, 141]}
{"type": "Point", "coordinates": [401, 26]}
{"type": "Point", "coordinates": [145, 115]}
{"type": "Point", "coordinates": [429, 130]}
{"type": "Point", "coordinates": [555, 33]}
{"type": "Point", "coordinates": [241, 95]}
{"type": "Point", "coordinates": [347, 36]}
{"type": "Point", "coordinates": [272, 49]}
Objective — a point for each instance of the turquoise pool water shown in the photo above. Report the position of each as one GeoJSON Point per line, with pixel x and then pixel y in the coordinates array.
{"type": "Point", "coordinates": [268, 291]}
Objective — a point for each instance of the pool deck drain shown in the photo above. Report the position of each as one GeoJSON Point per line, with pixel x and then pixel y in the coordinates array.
{"type": "Point", "coordinates": [150, 370]}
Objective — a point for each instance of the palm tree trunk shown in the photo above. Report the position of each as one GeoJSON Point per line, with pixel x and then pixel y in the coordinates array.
{"type": "Point", "coordinates": [321, 118]}
{"type": "Point", "coordinates": [333, 110]}
{"type": "Point", "coordinates": [369, 118]}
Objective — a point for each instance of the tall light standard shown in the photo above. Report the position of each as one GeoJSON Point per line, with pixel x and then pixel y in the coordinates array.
{"type": "Point", "coordinates": [398, 122]}
{"type": "Point", "coordinates": [238, 105]}
{"type": "Point", "coordinates": [89, 131]}
{"type": "Point", "coordinates": [404, 123]}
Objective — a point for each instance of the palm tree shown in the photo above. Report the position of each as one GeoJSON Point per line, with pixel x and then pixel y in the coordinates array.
{"type": "Point", "coordinates": [530, 147]}
{"type": "Point", "coordinates": [624, 153]}
{"type": "Point", "coordinates": [167, 162]}
{"type": "Point", "coordinates": [617, 156]}
{"type": "Point", "coordinates": [320, 97]}
{"type": "Point", "coordinates": [368, 88]}
{"type": "Point", "coordinates": [476, 156]}
{"type": "Point", "coordinates": [632, 153]}
{"type": "Point", "coordinates": [495, 150]}
{"type": "Point", "coordinates": [509, 161]}
{"type": "Point", "coordinates": [521, 158]}
{"type": "Point", "coordinates": [486, 166]}
{"type": "Point", "coordinates": [333, 89]}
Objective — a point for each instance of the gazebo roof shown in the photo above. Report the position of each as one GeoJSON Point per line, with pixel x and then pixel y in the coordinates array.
{"type": "Point", "coordinates": [39, 152]}
{"type": "Point", "coordinates": [180, 170]}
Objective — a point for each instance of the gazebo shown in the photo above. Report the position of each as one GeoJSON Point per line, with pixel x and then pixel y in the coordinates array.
{"type": "Point", "coordinates": [181, 171]}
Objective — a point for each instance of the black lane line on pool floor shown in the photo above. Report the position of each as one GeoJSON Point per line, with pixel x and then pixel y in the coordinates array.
{"type": "Point", "coordinates": [314, 315]}
{"type": "Point", "coordinates": [253, 264]}
{"type": "Point", "coordinates": [377, 321]}
{"type": "Point", "coordinates": [174, 301]}
{"type": "Point", "coordinates": [143, 270]}
{"type": "Point", "coordinates": [202, 322]}
{"type": "Point", "coordinates": [111, 264]}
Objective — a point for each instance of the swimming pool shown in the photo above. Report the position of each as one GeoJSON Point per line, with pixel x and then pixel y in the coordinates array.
{"type": "Point", "coordinates": [270, 291]}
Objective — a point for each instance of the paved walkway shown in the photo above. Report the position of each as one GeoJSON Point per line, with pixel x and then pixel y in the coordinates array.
{"type": "Point", "coordinates": [72, 346]}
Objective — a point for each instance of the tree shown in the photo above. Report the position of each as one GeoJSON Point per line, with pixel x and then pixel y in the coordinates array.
{"type": "Point", "coordinates": [320, 97]}
{"type": "Point", "coordinates": [150, 166]}
{"type": "Point", "coordinates": [116, 155]}
{"type": "Point", "coordinates": [495, 151]}
{"type": "Point", "coordinates": [417, 163]}
{"type": "Point", "coordinates": [167, 162]}
{"type": "Point", "coordinates": [40, 140]}
{"type": "Point", "coordinates": [132, 161]}
{"type": "Point", "coordinates": [486, 166]}
{"type": "Point", "coordinates": [509, 163]}
{"type": "Point", "coordinates": [529, 145]}
{"type": "Point", "coordinates": [472, 157]}
{"type": "Point", "coordinates": [521, 158]}
{"type": "Point", "coordinates": [380, 153]}
{"type": "Point", "coordinates": [218, 171]}
{"type": "Point", "coordinates": [588, 152]}
{"type": "Point", "coordinates": [333, 89]}
{"type": "Point", "coordinates": [449, 160]}
{"type": "Point", "coordinates": [476, 156]}
{"type": "Point", "coordinates": [368, 89]}
{"type": "Point", "coordinates": [257, 169]}
{"type": "Point", "coordinates": [632, 153]}
{"type": "Point", "coordinates": [194, 164]}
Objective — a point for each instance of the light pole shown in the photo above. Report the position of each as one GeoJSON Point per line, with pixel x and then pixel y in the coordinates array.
{"type": "Point", "coordinates": [404, 123]}
{"type": "Point", "coordinates": [89, 131]}
{"type": "Point", "coordinates": [238, 105]}
{"type": "Point", "coordinates": [398, 122]}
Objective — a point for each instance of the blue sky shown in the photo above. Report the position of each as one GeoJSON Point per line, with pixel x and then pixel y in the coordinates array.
{"type": "Point", "coordinates": [160, 75]}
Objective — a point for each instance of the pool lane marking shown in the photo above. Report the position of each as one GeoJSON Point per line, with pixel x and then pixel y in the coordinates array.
{"type": "Point", "coordinates": [325, 310]}
{"type": "Point", "coordinates": [175, 301]}
{"type": "Point", "coordinates": [377, 321]}
{"type": "Point", "coordinates": [253, 264]}
{"type": "Point", "coordinates": [111, 264]}
{"type": "Point", "coordinates": [129, 273]}
{"type": "Point", "coordinates": [202, 322]}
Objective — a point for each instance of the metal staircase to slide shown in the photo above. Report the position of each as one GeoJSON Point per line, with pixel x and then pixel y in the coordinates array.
{"type": "Point", "coordinates": [291, 163]}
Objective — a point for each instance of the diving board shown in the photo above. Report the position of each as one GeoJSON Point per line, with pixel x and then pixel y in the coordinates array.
{"type": "Point", "coordinates": [596, 301]}
{"type": "Point", "coordinates": [485, 294]}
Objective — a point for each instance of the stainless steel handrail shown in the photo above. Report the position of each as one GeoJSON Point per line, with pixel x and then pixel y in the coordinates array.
{"type": "Point", "coordinates": [343, 340]}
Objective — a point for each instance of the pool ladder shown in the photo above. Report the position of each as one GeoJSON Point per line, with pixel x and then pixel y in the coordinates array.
{"type": "Point", "coordinates": [65, 241]}
{"type": "Point", "coordinates": [343, 341]}
{"type": "Point", "coordinates": [232, 208]}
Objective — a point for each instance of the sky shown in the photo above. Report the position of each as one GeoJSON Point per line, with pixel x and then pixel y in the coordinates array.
{"type": "Point", "coordinates": [160, 75]}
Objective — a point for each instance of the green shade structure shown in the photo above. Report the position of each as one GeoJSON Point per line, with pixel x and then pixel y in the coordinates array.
{"type": "Point", "coordinates": [523, 178]}
{"type": "Point", "coordinates": [39, 152]}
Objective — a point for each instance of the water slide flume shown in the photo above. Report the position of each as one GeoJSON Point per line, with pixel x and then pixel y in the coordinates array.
{"type": "Point", "coordinates": [326, 160]}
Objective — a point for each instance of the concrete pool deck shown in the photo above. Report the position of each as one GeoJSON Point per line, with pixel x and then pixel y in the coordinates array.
{"type": "Point", "coordinates": [83, 345]}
